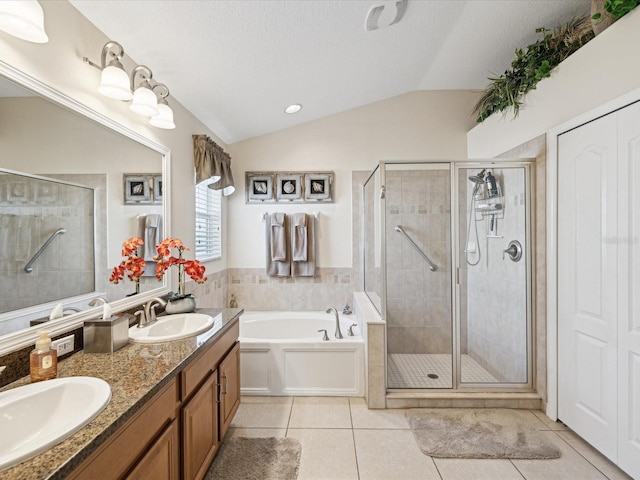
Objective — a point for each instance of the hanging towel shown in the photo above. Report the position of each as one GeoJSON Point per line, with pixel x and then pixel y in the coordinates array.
{"type": "Point", "coordinates": [299, 237]}
{"type": "Point", "coordinates": [277, 268]}
{"type": "Point", "coordinates": [278, 237]}
{"type": "Point", "coordinates": [150, 231]}
{"type": "Point", "coordinates": [306, 268]}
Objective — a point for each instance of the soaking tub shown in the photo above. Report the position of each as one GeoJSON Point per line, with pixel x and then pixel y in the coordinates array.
{"type": "Point", "coordinates": [282, 353]}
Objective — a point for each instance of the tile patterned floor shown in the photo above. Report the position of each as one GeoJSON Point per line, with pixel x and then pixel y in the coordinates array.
{"type": "Point", "coordinates": [343, 440]}
{"type": "Point", "coordinates": [412, 371]}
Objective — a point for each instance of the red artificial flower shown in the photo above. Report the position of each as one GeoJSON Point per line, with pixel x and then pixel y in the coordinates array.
{"type": "Point", "coordinates": [165, 260]}
{"type": "Point", "coordinates": [132, 263]}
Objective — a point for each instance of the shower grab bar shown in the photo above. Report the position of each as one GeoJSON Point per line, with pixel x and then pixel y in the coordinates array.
{"type": "Point", "coordinates": [28, 268]}
{"type": "Point", "coordinates": [432, 266]}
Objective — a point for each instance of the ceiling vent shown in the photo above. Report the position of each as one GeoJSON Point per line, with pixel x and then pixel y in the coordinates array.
{"type": "Point", "coordinates": [385, 15]}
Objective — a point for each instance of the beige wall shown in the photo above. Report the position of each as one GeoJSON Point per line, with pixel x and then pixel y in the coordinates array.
{"type": "Point", "coordinates": [414, 126]}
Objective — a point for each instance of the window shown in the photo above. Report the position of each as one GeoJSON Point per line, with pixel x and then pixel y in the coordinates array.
{"type": "Point", "coordinates": [208, 222]}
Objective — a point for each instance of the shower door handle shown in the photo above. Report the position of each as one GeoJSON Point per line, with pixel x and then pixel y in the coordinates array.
{"type": "Point", "coordinates": [514, 250]}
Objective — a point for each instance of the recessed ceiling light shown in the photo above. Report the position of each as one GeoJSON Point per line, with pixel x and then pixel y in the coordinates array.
{"type": "Point", "coordinates": [295, 108]}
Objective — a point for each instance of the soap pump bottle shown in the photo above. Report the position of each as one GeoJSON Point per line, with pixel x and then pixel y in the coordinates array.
{"type": "Point", "coordinates": [43, 361]}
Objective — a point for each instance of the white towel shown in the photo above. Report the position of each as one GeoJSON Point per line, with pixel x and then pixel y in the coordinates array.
{"type": "Point", "coordinates": [277, 268]}
{"type": "Point", "coordinates": [150, 231]}
{"type": "Point", "coordinates": [278, 237]}
{"type": "Point", "coordinates": [307, 268]}
{"type": "Point", "coordinates": [299, 237]}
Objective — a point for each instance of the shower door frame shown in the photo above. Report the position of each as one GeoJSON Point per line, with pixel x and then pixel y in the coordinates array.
{"type": "Point", "coordinates": [527, 256]}
{"type": "Point", "coordinates": [453, 166]}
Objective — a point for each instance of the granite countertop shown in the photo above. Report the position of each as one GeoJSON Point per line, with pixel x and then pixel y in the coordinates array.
{"type": "Point", "coordinates": [135, 373]}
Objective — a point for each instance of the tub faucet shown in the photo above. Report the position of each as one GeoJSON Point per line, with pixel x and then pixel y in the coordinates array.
{"type": "Point", "coordinates": [338, 333]}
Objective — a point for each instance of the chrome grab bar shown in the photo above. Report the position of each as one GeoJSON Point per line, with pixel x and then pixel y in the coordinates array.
{"type": "Point", "coordinates": [28, 268]}
{"type": "Point", "coordinates": [432, 266]}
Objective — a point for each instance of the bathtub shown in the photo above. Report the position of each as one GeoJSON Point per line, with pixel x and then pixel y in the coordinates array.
{"type": "Point", "coordinates": [282, 353]}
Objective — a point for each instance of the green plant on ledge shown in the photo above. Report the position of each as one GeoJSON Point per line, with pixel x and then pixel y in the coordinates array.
{"type": "Point", "coordinates": [617, 8]}
{"type": "Point", "coordinates": [531, 65]}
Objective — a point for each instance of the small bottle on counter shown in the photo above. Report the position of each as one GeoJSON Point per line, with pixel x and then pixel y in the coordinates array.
{"type": "Point", "coordinates": [43, 361]}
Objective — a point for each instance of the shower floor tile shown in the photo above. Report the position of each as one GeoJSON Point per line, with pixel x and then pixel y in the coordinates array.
{"type": "Point", "coordinates": [405, 370]}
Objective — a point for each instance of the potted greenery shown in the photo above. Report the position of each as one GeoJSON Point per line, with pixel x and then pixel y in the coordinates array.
{"type": "Point", "coordinates": [606, 12]}
{"type": "Point", "coordinates": [531, 65]}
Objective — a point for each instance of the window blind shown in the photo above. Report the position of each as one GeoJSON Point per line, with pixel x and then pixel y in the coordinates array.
{"type": "Point", "coordinates": [208, 222]}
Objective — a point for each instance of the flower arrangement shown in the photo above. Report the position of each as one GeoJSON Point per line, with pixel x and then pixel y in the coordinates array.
{"type": "Point", "coordinates": [165, 260]}
{"type": "Point", "coordinates": [132, 263]}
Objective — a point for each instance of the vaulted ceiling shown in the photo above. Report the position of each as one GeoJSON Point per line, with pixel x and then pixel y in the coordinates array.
{"type": "Point", "coordinates": [236, 64]}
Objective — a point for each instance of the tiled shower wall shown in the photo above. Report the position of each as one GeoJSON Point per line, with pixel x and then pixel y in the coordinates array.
{"type": "Point", "coordinates": [494, 317]}
{"type": "Point", "coordinates": [30, 211]}
{"type": "Point", "coordinates": [418, 300]}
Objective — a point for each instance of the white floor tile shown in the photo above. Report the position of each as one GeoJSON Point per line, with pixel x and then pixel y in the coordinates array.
{"type": "Point", "coordinates": [262, 415]}
{"type": "Point", "coordinates": [363, 417]}
{"type": "Point", "coordinates": [392, 455]}
{"type": "Point", "coordinates": [569, 466]}
{"type": "Point", "coordinates": [593, 456]}
{"type": "Point", "coordinates": [475, 469]}
{"type": "Point", "coordinates": [326, 454]}
{"type": "Point", "coordinates": [256, 432]}
{"type": "Point", "coordinates": [320, 412]}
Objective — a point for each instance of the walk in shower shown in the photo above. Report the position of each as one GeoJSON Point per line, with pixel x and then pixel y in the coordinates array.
{"type": "Point", "coordinates": [447, 263]}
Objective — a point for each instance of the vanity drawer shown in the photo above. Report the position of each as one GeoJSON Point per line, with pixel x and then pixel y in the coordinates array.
{"type": "Point", "coordinates": [199, 369]}
{"type": "Point", "coordinates": [118, 454]}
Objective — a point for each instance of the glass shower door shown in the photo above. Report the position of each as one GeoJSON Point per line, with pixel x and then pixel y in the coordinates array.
{"type": "Point", "coordinates": [417, 223]}
{"type": "Point", "coordinates": [493, 261]}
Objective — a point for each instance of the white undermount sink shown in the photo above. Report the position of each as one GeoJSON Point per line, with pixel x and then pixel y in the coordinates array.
{"type": "Point", "coordinates": [37, 416]}
{"type": "Point", "coordinates": [171, 327]}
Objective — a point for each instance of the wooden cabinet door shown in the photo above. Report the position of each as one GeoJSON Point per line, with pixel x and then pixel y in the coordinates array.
{"type": "Point", "coordinates": [162, 461]}
{"type": "Point", "coordinates": [229, 372]}
{"type": "Point", "coordinates": [200, 430]}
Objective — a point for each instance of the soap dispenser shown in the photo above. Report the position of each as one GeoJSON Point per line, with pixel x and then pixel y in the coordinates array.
{"type": "Point", "coordinates": [43, 361]}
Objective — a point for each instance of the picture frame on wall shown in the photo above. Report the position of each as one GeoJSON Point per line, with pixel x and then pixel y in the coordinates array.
{"type": "Point", "coordinates": [137, 189]}
{"type": "Point", "coordinates": [157, 189]}
{"type": "Point", "coordinates": [318, 186]}
{"type": "Point", "coordinates": [259, 188]}
{"type": "Point", "coordinates": [289, 187]}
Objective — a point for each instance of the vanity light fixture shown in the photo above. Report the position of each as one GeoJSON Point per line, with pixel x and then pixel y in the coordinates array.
{"type": "Point", "coordinates": [23, 19]}
{"type": "Point", "coordinates": [145, 101]}
{"type": "Point", "coordinates": [114, 81]}
{"type": "Point", "coordinates": [164, 118]}
{"type": "Point", "coordinates": [147, 97]}
{"type": "Point", "coordinates": [294, 108]}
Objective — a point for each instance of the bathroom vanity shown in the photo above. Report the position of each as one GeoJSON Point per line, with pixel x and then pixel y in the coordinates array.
{"type": "Point", "coordinates": [171, 405]}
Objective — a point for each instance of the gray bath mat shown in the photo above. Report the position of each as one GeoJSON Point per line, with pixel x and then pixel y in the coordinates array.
{"type": "Point", "coordinates": [478, 433]}
{"type": "Point", "coordinates": [256, 459]}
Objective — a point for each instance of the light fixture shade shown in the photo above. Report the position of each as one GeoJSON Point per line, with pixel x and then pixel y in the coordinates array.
{"type": "Point", "coordinates": [23, 19]}
{"type": "Point", "coordinates": [114, 82]}
{"type": "Point", "coordinates": [164, 118]}
{"type": "Point", "coordinates": [144, 102]}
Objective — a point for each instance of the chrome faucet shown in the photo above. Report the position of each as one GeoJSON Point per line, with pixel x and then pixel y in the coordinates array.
{"type": "Point", "coordinates": [70, 309]}
{"type": "Point", "coordinates": [148, 316]}
{"type": "Point", "coordinates": [97, 300]}
{"type": "Point", "coordinates": [338, 333]}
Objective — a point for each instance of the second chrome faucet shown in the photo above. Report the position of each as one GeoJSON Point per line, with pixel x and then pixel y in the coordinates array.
{"type": "Point", "coordinates": [338, 333]}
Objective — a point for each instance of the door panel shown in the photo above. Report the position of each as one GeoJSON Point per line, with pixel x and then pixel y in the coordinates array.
{"type": "Point", "coordinates": [629, 295]}
{"type": "Point", "coordinates": [587, 289]}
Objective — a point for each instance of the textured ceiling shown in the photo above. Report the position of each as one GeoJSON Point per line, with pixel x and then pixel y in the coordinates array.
{"type": "Point", "coordinates": [237, 64]}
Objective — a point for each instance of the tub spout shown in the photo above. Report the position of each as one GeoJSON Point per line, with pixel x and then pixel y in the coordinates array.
{"type": "Point", "coordinates": [338, 333]}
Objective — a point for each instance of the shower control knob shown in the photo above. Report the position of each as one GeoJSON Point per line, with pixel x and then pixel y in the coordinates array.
{"type": "Point", "coordinates": [514, 250]}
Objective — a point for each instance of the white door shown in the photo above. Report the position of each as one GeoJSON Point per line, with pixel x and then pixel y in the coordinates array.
{"type": "Point", "coordinates": [629, 292]}
{"type": "Point", "coordinates": [587, 290]}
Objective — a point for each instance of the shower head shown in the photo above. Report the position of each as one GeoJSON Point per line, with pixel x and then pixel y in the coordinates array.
{"type": "Point", "coordinates": [479, 178]}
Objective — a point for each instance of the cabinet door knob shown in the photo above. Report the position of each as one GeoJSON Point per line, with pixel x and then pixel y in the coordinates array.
{"type": "Point", "coordinates": [218, 392]}
{"type": "Point", "coordinates": [224, 382]}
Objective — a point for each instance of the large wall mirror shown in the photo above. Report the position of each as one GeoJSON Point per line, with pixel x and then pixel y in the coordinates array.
{"type": "Point", "coordinates": [76, 185]}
